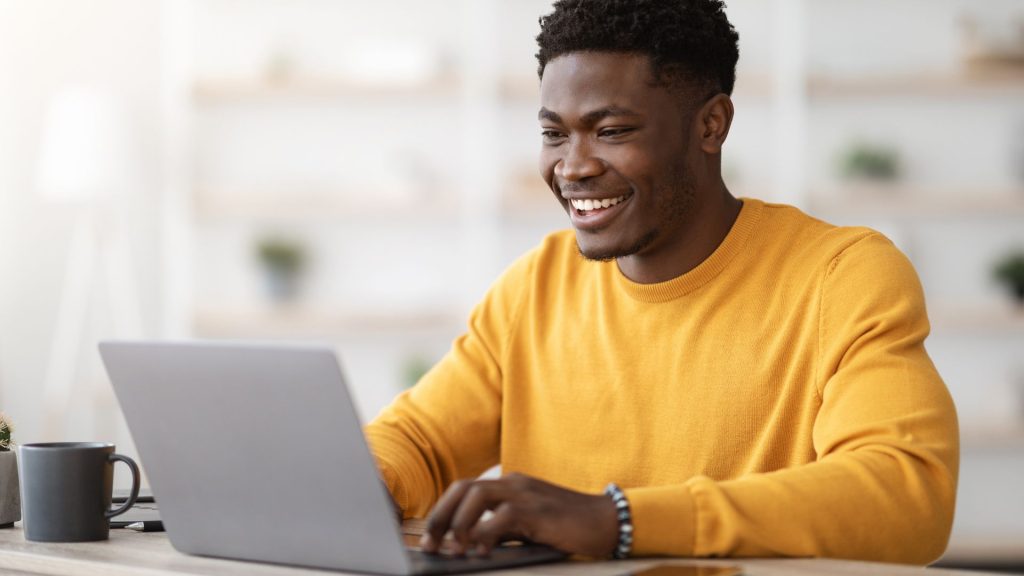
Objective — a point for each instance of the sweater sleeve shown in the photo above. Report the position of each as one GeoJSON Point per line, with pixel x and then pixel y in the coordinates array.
{"type": "Point", "coordinates": [883, 485]}
{"type": "Point", "coordinates": [447, 426]}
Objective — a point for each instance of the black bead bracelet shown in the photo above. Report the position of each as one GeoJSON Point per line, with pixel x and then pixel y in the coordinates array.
{"type": "Point", "coordinates": [625, 543]}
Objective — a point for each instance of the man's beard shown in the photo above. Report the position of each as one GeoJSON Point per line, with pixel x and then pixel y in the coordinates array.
{"type": "Point", "coordinates": [641, 243]}
{"type": "Point", "coordinates": [678, 208]}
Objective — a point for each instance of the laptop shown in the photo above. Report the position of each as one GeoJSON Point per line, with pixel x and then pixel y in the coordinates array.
{"type": "Point", "coordinates": [255, 452]}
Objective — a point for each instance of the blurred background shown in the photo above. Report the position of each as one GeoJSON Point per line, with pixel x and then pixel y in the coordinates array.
{"type": "Point", "coordinates": [359, 172]}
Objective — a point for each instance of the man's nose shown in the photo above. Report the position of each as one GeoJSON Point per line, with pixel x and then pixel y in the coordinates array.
{"type": "Point", "coordinates": [579, 162]}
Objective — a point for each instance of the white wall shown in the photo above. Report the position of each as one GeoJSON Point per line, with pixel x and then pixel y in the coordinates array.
{"type": "Point", "coordinates": [46, 46]}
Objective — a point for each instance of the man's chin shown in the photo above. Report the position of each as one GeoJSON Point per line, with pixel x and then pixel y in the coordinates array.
{"type": "Point", "coordinates": [590, 246]}
{"type": "Point", "coordinates": [606, 253]}
{"type": "Point", "coordinates": [597, 256]}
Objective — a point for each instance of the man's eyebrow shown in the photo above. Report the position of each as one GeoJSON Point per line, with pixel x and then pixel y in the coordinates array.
{"type": "Point", "coordinates": [546, 114]}
{"type": "Point", "coordinates": [592, 117]}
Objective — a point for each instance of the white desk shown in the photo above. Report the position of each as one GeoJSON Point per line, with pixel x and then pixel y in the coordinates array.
{"type": "Point", "coordinates": [131, 553]}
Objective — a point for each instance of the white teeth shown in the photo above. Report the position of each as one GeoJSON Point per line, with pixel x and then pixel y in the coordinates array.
{"type": "Point", "coordinates": [593, 204]}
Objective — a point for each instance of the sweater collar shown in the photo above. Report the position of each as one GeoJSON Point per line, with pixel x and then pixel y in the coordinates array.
{"type": "Point", "coordinates": [707, 270]}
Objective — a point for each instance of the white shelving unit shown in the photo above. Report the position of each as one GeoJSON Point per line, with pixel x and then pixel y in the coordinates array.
{"type": "Point", "coordinates": [958, 206]}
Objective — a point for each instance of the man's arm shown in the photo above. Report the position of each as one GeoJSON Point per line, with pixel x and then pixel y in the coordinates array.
{"type": "Point", "coordinates": [884, 483]}
{"type": "Point", "coordinates": [447, 426]}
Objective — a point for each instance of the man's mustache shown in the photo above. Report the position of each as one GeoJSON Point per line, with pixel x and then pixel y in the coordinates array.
{"type": "Point", "coordinates": [577, 187]}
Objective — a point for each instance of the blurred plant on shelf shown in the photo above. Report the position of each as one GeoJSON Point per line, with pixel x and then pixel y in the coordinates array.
{"type": "Point", "coordinates": [870, 162]}
{"type": "Point", "coordinates": [283, 261]}
{"type": "Point", "coordinates": [1010, 271]}
{"type": "Point", "coordinates": [414, 368]}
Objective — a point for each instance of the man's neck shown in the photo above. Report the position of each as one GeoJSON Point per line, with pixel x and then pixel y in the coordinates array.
{"type": "Point", "coordinates": [706, 228]}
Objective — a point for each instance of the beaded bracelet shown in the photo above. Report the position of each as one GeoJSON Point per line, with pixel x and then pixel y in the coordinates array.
{"type": "Point", "coordinates": [625, 543]}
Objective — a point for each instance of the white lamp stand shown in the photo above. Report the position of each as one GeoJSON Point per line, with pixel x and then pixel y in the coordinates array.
{"type": "Point", "coordinates": [86, 162]}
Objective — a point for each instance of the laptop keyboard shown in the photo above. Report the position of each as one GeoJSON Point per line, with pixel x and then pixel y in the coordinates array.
{"type": "Point", "coordinates": [447, 562]}
{"type": "Point", "coordinates": [500, 557]}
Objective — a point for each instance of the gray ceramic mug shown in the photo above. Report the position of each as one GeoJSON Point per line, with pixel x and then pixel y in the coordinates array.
{"type": "Point", "coordinates": [66, 488]}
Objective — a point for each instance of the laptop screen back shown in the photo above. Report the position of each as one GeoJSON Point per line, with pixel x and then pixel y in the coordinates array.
{"type": "Point", "coordinates": [256, 452]}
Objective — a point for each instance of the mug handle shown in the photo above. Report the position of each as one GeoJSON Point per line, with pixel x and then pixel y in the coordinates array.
{"type": "Point", "coordinates": [135, 485]}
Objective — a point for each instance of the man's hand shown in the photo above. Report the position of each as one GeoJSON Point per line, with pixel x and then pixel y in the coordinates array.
{"type": "Point", "coordinates": [524, 508]}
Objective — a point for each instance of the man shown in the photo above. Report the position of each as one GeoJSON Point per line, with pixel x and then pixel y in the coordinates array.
{"type": "Point", "coordinates": [753, 379]}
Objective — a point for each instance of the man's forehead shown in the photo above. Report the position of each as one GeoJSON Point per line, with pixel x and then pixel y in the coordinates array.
{"type": "Point", "coordinates": [609, 67]}
{"type": "Point", "coordinates": [589, 84]}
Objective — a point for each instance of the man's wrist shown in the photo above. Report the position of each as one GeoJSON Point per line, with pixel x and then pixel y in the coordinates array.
{"type": "Point", "coordinates": [624, 519]}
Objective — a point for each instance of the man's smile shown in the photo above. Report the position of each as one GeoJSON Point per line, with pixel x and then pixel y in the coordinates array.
{"type": "Point", "coordinates": [592, 214]}
{"type": "Point", "coordinates": [588, 204]}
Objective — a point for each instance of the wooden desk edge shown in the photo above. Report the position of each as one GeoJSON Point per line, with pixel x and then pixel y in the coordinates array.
{"type": "Point", "coordinates": [151, 554]}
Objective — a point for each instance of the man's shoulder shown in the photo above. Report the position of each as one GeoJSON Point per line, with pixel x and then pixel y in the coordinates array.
{"type": "Point", "coordinates": [798, 234]}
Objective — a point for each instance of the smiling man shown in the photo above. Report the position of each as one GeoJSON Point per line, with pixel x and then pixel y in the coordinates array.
{"type": "Point", "coordinates": [683, 372]}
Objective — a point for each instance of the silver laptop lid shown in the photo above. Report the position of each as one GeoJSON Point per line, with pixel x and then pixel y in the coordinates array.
{"type": "Point", "coordinates": [256, 452]}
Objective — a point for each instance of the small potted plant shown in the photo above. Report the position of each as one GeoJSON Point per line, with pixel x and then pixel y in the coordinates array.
{"type": "Point", "coordinates": [282, 261]}
{"type": "Point", "coordinates": [871, 162]}
{"type": "Point", "coordinates": [10, 500]}
{"type": "Point", "coordinates": [414, 368]}
{"type": "Point", "coordinates": [1010, 271]}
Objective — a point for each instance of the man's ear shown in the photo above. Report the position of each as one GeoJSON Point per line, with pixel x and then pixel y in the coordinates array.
{"type": "Point", "coordinates": [714, 120]}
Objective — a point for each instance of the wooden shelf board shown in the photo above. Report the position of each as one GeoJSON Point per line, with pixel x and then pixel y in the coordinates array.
{"type": "Point", "coordinates": [981, 439]}
{"type": "Point", "coordinates": [1006, 81]}
{"type": "Point", "coordinates": [301, 320]}
{"type": "Point", "coordinates": [520, 90]}
{"type": "Point", "coordinates": [315, 206]}
{"type": "Point", "coordinates": [228, 90]}
{"type": "Point", "coordinates": [754, 86]}
{"type": "Point", "coordinates": [989, 82]}
{"type": "Point", "coordinates": [1001, 318]}
{"type": "Point", "coordinates": [905, 201]}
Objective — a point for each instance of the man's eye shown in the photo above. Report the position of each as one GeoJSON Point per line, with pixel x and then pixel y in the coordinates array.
{"type": "Point", "coordinates": [551, 135]}
{"type": "Point", "coordinates": [613, 132]}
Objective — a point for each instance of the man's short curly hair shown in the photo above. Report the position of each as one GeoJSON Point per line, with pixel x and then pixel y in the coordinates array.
{"type": "Point", "coordinates": [686, 40]}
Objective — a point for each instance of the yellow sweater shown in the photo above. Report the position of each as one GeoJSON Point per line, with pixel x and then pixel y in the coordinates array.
{"type": "Point", "coordinates": [775, 400]}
